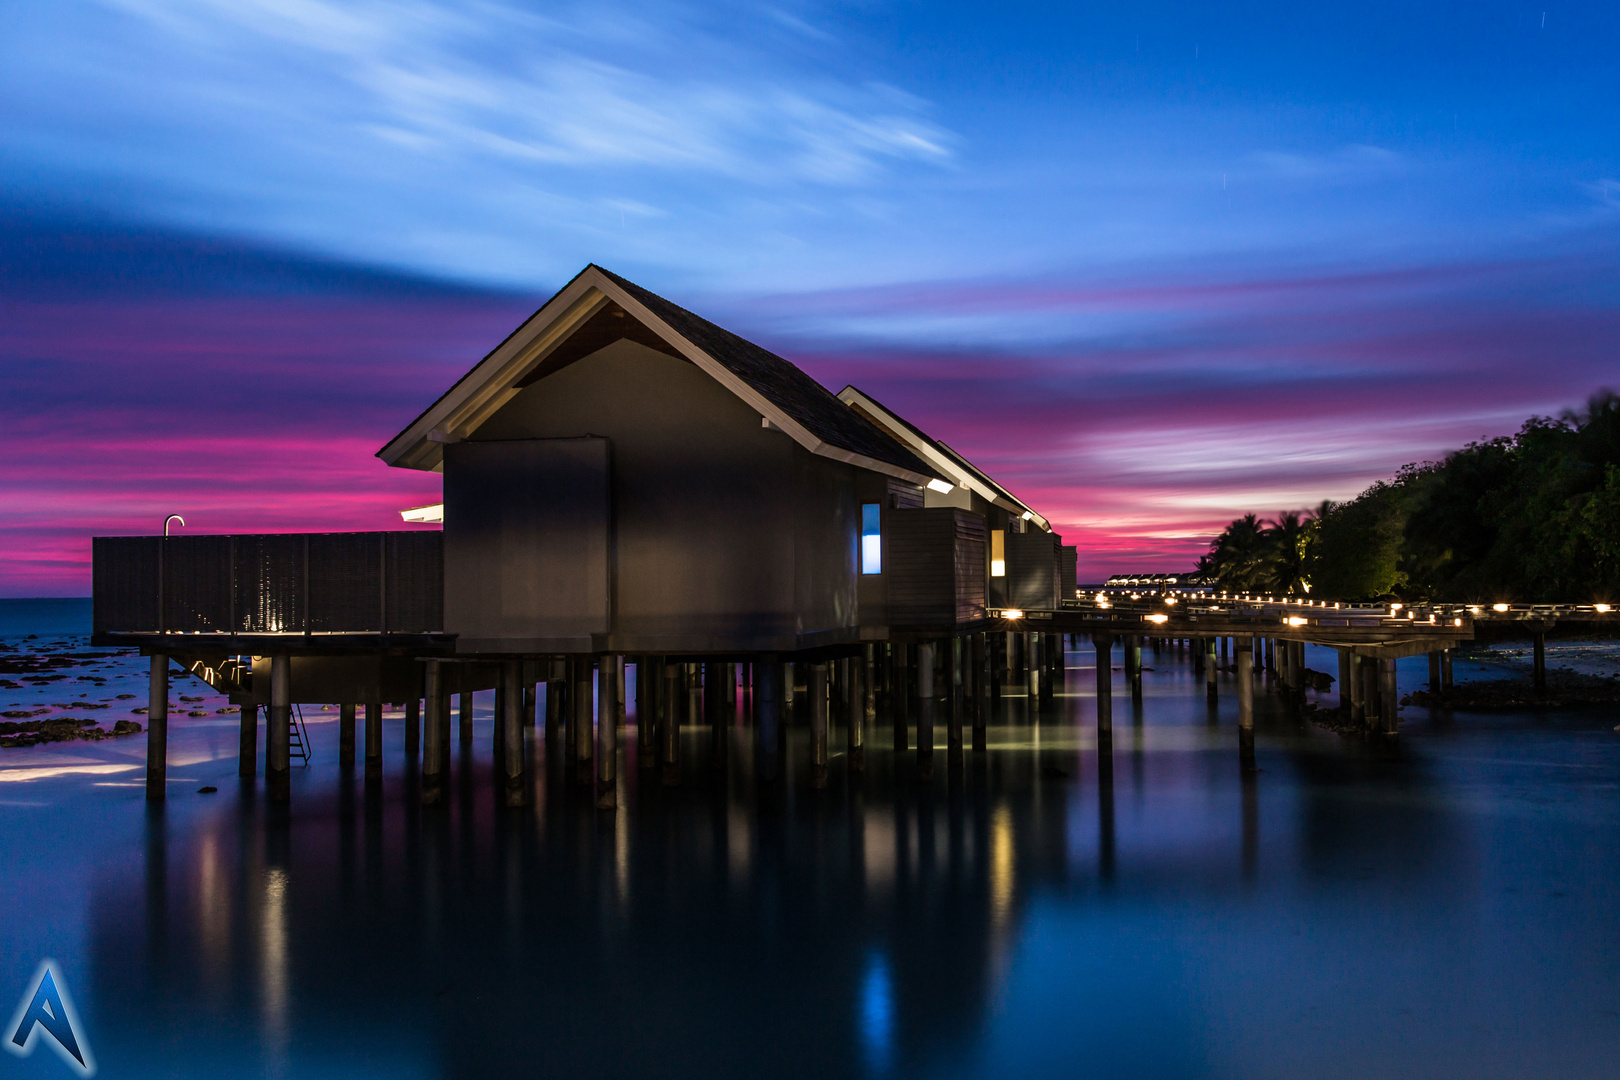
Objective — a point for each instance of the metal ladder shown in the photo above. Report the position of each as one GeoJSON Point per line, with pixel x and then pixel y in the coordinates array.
{"type": "Point", "coordinates": [297, 736]}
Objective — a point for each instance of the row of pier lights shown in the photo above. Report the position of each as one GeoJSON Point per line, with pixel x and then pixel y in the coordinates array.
{"type": "Point", "coordinates": [583, 699]}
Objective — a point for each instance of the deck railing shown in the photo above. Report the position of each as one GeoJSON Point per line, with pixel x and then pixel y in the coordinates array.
{"type": "Point", "coordinates": [278, 583]}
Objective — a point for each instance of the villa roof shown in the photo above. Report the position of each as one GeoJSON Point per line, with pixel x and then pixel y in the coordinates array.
{"type": "Point", "coordinates": [939, 455]}
{"type": "Point", "coordinates": [783, 394]}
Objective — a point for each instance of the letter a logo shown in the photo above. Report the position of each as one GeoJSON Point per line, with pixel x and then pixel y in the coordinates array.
{"type": "Point", "coordinates": [50, 1009]}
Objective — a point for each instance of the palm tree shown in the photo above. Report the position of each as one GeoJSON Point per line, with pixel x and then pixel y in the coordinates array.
{"type": "Point", "coordinates": [1286, 539]}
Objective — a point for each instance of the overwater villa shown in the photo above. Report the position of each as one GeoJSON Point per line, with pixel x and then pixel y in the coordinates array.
{"type": "Point", "coordinates": [623, 479]}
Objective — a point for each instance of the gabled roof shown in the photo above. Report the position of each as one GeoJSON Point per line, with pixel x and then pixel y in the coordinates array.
{"type": "Point", "coordinates": [947, 461]}
{"type": "Point", "coordinates": [781, 393]}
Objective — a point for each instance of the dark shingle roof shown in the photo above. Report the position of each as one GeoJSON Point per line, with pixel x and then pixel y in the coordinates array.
{"type": "Point", "coordinates": [783, 384]}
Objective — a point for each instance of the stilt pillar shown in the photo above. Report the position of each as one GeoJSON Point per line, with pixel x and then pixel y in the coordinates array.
{"type": "Point", "coordinates": [1133, 666]}
{"type": "Point", "coordinates": [981, 691]}
{"type": "Point", "coordinates": [157, 728]}
{"type": "Point", "coordinates": [899, 695]}
{"type": "Point", "coordinates": [464, 701]}
{"type": "Point", "coordinates": [1434, 671]}
{"type": "Point", "coordinates": [953, 731]}
{"type": "Point", "coordinates": [346, 736]}
{"type": "Point", "coordinates": [863, 708]}
{"type": "Point", "coordinates": [373, 739]}
{"type": "Point", "coordinates": [607, 731]}
{"type": "Point", "coordinates": [436, 731]}
{"type": "Point", "coordinates": [1104, 644]}
{"type": "Point", "coordinates": [1540, 641]}
{"type": "Point", "coordinates": [1346, 678]}
{"type": "Point", "coordinates": [1445, 669]}
{"type": "Point", "coordinates": [925, 709]}
{"type": "Point", "coordinates": [580, 728]}
{"type": "Point", "coordinates": [648, 681]}
{"type": "Point", "coordinates": [247, 752]}
{"type": "Point", "coordinates": [1371, 695]}
{"type": "Point", "coordinates": [818, 725]}
{"type": "Point", "coordinates": [510, 725]}
{"type": "Point", "coordinates": [768, 712]}
{"type": "Point", "coordinates": [1211, 671]}
{"type": "Point", "coordinates": [1388, 695]}
{"type": "Point", "coordinates": [1245, 681]}
{"type": "Point", "coordinates": [278, 733]}
{"type": "Point", "coordinates": [413, 730]}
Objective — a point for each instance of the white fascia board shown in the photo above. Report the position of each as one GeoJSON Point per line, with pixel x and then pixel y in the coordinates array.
{"type": "Point", "coordinates": [927, 451]}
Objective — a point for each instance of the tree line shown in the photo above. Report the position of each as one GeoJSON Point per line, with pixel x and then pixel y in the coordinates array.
{"type": "Point", "coordinates": [1532, 517]}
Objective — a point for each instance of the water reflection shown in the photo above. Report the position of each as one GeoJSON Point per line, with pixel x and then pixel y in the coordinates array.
{"type": "Point", "coordinates": [730, 925]}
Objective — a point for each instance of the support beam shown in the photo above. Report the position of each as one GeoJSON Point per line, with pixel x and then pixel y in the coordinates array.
{"type": "Point", "coordinates": [669, 722]}
{"type": "Point", "coordinates": [818, 725]}
{"type": "Point", "coordinates": [1346, 678]}
{"type": "Point", "coordinates": [1445, 669]}
{"type": "Point", "coordinates": [1211, 671]}
{"type": "Point", "coordinates": [1245, 681]}
{"type": "Point", "coordinates": [580, 729]}
{"type": "Point", "coordinates": [768, 712]}
{"type": "Point", "coordinates": [1434, 671]}
{"type": "Point", "coordinates": [925, 709]}
{"type": "Point", "coordinates": [373, 739]}
{"type": "Point", "coordinates": [900, 693]}
{"type": "Point", "coordinates": [608, 669]}
{"type": "Point", "coordinates": [436, 732]}
{"type": "Point", "coordinates": [509, 725]}
{"type": "Point", "coordinates": [981, 691]}
{"type": "Point", "coordinates": [1388, 697]}
{"type": "Point", "coordinates": [247, 752]}
{"type": "Point", "coordinates": [278, 734]}
{"type": "Point", "coordinates": [1032, 671]}
{"type": "Point", "coordinates": [1104, 644]}
{"type": "Point", "coordinates": [953, 732]}
{"type": "Point", "coordinates": [346, 736]}
{"type": "Point", "coordinates": [413, 731]}
{"type": "Point", "coordinates": [648, 681]}
{"type": "Point", "coordinates": [863, 708]}
{"type": "Point", "coordinates": [465, 702]}
{"type": "Point", "coordinates": [1540, 641]}
{"type": "Point", "coordinates": [157, 728]}
{"type": "Point", "coordinates": [1371, 694]}
{"type": "Point", "coordinates": [1133, 666]}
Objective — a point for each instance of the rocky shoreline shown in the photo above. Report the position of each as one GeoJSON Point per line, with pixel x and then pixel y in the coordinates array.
{"type": "Point", "coordinates": [1565, 689]}
{"type": "Point", "coordinates": [60, 729]}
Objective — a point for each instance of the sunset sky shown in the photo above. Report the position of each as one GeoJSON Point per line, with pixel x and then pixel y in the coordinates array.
{"type": "Point", "coordinates": [1151, 265]}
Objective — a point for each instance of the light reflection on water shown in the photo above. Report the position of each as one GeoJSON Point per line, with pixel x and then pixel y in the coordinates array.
{"type": "Point", "coordinates": [1441, 907]}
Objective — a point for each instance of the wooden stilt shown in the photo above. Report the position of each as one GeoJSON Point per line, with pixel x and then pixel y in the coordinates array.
{"type": "Point", "coordinates": [607, 731]}
{"type": "Point", "coordinates": [278, 735]}
{"type": "Point", "coordinates": [157, 728]}
{"type": "Point", "coordinates": [346, 736]}
{"type": "Point", "coordinates": [247, 753]}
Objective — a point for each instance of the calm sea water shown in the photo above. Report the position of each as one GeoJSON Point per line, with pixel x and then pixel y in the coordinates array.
{"type": "Point", "coordinates": [1449, 906]}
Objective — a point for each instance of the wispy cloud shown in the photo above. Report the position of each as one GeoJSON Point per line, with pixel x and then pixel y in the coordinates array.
{"type": "Point", "coordinates": [580, 86]}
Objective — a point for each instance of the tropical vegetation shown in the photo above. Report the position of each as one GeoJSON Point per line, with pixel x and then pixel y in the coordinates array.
{"type": "Point", "coordinates": [1529, 517]}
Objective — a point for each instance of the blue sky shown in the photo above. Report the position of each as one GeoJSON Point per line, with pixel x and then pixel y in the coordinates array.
{"type": "Point", "coordinates": [1269, 206]}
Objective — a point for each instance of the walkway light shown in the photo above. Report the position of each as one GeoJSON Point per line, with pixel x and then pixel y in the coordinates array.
{"type": "Point", "coordinates": [1601, 608]}
{"type": "Point", "coordinates": [1499, 607]}
{"type": "Point", "coordinates": [1012, 613]}
{"type": "Point", "coordinates": [1456, 622]}
{"type": "Point", "coordinates": [941, 486]}
{"type": "Point", "coordinates": [1295, 620]}
{"type": "Point", "coordinates": [1158, 618]}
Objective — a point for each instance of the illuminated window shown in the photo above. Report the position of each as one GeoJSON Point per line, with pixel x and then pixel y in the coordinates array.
{"type": "Point", "coordinates": [871, 539]}
{"type": "Point", "coordinates": [998, 553]}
